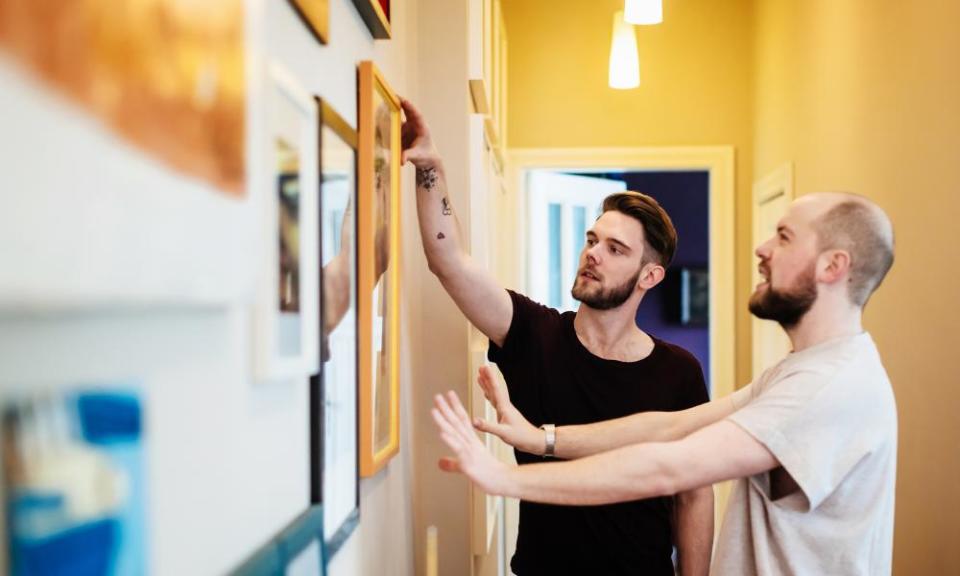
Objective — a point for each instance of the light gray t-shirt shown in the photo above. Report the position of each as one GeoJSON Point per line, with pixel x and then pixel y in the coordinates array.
{"type": "Point", "coordinates": [827, 413]}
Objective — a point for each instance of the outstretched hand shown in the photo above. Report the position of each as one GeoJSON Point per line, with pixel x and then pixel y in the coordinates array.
{"type": "Point", "coordinates": [511, 426]}
{"type": "Point", "coordinates": [415, 139]}
{"type": "Point", "coordinates": [471, 457]}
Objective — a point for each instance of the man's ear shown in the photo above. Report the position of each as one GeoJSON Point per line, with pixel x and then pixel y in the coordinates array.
{"type": "Point", "coordinates": [650, 275]}
{"type": "Point", "coordinates": [834, 266]}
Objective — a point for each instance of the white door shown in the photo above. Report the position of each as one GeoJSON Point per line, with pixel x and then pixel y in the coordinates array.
{"type": "Point", "coordinates": [561, 209]}
{"type": "Point", "coordinates": [772, 195]}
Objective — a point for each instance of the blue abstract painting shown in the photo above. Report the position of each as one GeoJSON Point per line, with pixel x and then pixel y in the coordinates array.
{"type": "Point", "coordinates": [74, 483]}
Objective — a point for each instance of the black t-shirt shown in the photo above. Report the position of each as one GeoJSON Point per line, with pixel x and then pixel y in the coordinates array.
{"type": "Point", "coordinates": [554, 379]}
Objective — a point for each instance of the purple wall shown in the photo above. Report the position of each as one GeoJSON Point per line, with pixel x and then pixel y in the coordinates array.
{"type": "Point", "coordinates": [685, 197]}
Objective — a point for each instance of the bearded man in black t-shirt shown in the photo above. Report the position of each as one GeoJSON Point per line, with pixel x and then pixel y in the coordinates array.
{"type": "Point", "coordinates": [578, 368]}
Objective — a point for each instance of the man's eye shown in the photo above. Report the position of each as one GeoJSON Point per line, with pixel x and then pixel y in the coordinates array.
{"type": "Point", "coordinates": [615, 250]}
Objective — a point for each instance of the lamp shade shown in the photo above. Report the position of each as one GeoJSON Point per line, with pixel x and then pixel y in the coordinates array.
{"type": "Point", "coordinates": [643, 12]}
{"type": "Point", "coordinates": [624, 62]}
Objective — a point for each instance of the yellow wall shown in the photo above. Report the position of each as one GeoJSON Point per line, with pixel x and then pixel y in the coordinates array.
{"type": "Point", "coordinates": [865, 96]}
{"type": "Point", "coordinates": [696, 75]}
{"type": "Point", "coordinates": [860, 95]}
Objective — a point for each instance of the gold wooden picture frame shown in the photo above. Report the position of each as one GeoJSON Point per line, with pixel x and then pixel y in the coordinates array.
{"type": "Point", "coordinates": [376, 15]}
{"type": "Point", "coordinates": [378, 287]}
{"type": "Point", "coordinates": [316, 15]}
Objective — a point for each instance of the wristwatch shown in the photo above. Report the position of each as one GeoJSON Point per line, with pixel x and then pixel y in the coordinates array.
{"type": "Point", "coordinates": [551, 440]}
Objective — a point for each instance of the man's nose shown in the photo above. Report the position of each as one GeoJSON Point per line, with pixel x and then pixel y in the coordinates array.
{"type": "Point", "coordinates": [592, 255]}
{"type": "Point", "coordinates": [763, 251]}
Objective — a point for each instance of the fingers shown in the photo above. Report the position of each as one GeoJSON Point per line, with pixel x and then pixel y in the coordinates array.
{"type": "Point", "coordinates": [448, 432]}
{"type": "Point", "coordinates": [496, 394]}
{"type": "Point", "coordinates": [456, 417]}
{"type": "Point", "coordinates": [413, 115]}
{"type": "Point", "coordinates": [485, 380]}
{"type": "Point", "coordinates": [450, 465]}
{"type": "Point", "coordinates": [499, 430]}
{"type": "Point", "coordinates": [458, 408]}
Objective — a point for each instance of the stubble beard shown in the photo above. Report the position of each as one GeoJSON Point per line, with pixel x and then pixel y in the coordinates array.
{"type": "Point", "coordinates": [603, 299]}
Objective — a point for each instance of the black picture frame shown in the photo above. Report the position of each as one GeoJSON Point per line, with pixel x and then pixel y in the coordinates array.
{"type": "Point", "coordinates": [375, 17]}
{"type": "Point", "coordinates": [686, 297]}
{"type": "Point", "coordinates": [331, 122]}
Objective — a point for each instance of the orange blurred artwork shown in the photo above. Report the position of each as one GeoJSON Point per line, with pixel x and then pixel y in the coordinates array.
{"type": "Point", "coordinates": [168, 75]}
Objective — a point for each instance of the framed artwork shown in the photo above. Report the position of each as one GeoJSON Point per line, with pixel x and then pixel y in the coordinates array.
{"type": "Point", "coordinates": [296, 550]}
{"type": "Point", "coordinates": [335, 465]}
{"type": "Point", "coordinates": [74, 481]}
{"type": "Point", "coordinates": [316, 16]}
{"type": "Point", "coordinates": [378, 213]}
{"type": "Point", "coordinates": [166, 76]}
{"type": "Point", "coordinates": [686, 296]}
{"type": "Point", "coordinates": [376, 15]}
{"type": "Point", "coordinates": [288, 300]}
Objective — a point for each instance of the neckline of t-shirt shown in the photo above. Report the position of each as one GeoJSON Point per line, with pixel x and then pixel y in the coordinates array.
{"type": "Point", "coordinates": [828, 344]}
{"type": "Point", "coordinates": [657, 346]}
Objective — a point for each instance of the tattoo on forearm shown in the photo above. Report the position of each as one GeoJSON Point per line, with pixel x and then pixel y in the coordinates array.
{"type": "Point", "coordinates": [440, 236]}
{"type": "Point", "coordinates": [447, 210]}
{"type": "Point", "coordinates": [427, 178]}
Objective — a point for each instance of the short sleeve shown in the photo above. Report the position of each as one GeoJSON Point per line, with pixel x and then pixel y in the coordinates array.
{"type": "Point", "coordinates": [807, 424]}
{"type": "Point", "coordinates": [741, 397]}
{"type": "Point", "coordinates": [694, 390]}
{"type": "Point", "coordinates": [523, 325]}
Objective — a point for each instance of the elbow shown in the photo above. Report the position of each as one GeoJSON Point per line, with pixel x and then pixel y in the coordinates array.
{"type": "Point", "coordinates": [441, 270]}
{"type": "Point", "coordinates": [668, 478]}
{"type": "Point", "coordinates": [443, 267]}
{"type": "Point", "coordinates": [668, 484]}
{"type": "Point", "coordinates": [434, 268]}
{"type": "Point", "coordinates": [695, 496]}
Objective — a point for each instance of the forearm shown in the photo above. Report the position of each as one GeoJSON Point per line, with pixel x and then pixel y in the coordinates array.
{"type": "Point", "coordinates": [694, 530]}
{"type": "Point", "coordinates": [478, 295]}
{"type": "Point", "coordinates": [336, 290]}
{"type": "Point", "coordinates": [587, 439]}
{"type": "Point", "coordinates": [439, 228]}
{"type": "Point", "coordinates": [630, 473]}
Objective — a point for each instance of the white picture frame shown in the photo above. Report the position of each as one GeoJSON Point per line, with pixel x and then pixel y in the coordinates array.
{"type": "Point", "coordinates": [287, 309]}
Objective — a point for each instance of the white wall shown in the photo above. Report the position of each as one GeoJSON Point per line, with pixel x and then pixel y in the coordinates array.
{"type": "Point", "coordinates": [112, 267]}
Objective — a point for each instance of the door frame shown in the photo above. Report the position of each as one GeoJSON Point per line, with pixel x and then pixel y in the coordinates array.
{"type": "Point", "coordinates": [778, 182]}
{"type": "Point", "coordinates": [717, 161]}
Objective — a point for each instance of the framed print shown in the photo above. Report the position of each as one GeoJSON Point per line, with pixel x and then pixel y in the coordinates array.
{"type": "Point", "coordinates": [316, 16]}
{"type": "Point", "coordinates": [74, 481]}
{"type": "Point", "coordinates": [335, 465]}
{"type": "Point", "coordinates": [288, 301]}
{"type": "Point", "coordinates": [378, 213]}
{"type": "Point", "coordinates": [168, 77]}
{"type": "Point", "coordinates": [297, 550]}
{"type": "Point", "coordinates": [376, 15]}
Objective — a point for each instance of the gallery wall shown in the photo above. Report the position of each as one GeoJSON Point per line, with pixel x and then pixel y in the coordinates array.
{"type": "Point", "coordinates": [862, 96]}
{"type": "Point", "coordinates": [116, 269]}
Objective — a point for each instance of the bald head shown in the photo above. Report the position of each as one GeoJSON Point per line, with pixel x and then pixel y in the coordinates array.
{"type": "Point", "coordinates": [859, 227]}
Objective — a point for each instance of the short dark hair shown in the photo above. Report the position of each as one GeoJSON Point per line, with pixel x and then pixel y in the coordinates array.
{"type": "Point", "coordinates": [659, 234]}
{"type": "Point", "coordinates": [861, 229]}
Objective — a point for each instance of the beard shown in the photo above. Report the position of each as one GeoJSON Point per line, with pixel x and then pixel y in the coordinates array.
{"type": "Point", "coordinates": [604, 299]}
{"type": "Point", "coordinates": [787, 306]}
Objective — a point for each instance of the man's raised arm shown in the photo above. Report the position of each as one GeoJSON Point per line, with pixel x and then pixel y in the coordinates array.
{"type": "Point", "coordinates": [478, 295]}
